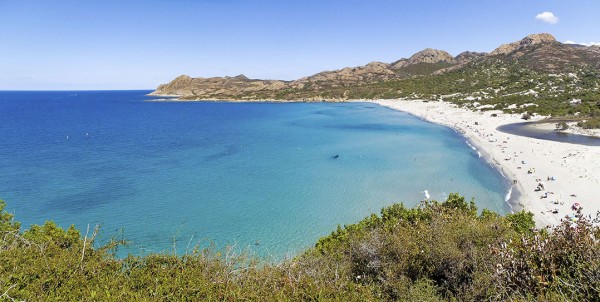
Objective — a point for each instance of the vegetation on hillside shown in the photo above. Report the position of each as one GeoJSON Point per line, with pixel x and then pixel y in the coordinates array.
{"type": "Point", "coordinates": [537, 75]}
{"type": "Point", "coordinates": [490, 84]}
{"type": "Point", "coordinates": [437, 251]}
{"type": "Point", "coordinates": [540, 82]}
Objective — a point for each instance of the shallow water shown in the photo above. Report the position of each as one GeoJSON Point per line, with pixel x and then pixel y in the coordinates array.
{"type": "Point", "coordinates": [169, 175]}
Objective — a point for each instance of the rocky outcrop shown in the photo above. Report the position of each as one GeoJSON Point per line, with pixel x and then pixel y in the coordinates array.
{"type": "Point", "coordinates": [594, 49]}
{"type": "Point", "coordinates": [428, 55]}
{"type": "Point", "coordinates": [378, 65]}
{"type": "Point", "coordinates": [217, 87]}
{"type": "Point", "coordinates": [528, 41]}
{"type": "Point", "coordinates": [461, 60]}
{"type": "Point", "coordinates": [558, 57]}
{"type": "Point", "coordinates": [468, 56]}
{"type": "Point", "coordinates": [372, 72]}
{"type": "Point", "coordinates": [179, 86]}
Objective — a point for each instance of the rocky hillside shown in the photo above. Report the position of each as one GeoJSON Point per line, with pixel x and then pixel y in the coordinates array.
{"type": "Point", "coordinates": [537, 66]}
{"type": "Point", "coordinates": [227, 87]}
{"type": "Point", "coordinates": [240, 87]}
{"type": "Point", "coordinates": [526, 42]}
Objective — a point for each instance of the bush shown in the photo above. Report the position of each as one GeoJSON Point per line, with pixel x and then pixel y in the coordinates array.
{"type": "Point", "coordinates": [562, 126]}
{"type": "Point", "coordinates": [592, 123]}
{"type": "Point", "coordinates": [436, 251]}
{"type": "Point", "coordinates": [522, 222]}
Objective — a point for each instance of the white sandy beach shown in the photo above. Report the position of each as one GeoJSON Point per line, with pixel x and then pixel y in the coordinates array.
{"type": "Point", "coordinates": [575, 168]}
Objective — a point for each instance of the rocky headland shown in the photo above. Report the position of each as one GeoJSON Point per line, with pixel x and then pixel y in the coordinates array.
{"type": "Point", "coordinates": [538, 52]}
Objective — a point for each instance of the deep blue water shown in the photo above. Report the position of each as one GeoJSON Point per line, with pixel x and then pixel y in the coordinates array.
{"type": "Point", "coordinates": [225, 173]}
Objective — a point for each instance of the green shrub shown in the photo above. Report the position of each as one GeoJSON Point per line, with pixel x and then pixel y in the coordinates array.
{"type": "Point", "coordinates": [436, 251]}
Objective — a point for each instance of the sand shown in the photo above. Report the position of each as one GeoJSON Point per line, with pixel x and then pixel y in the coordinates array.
{"type": "Point", "coordinates": [575, 168]}
{"type": "Point", "coordinates": [572, 129]}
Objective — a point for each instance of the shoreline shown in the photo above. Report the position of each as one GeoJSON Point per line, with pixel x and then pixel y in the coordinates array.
{"type": "Point", "coordinates": [514, 190]}
{"type": "Point", "coordinates": [515, 156]}
{"type": "Point", "coordinates": [176, 98]}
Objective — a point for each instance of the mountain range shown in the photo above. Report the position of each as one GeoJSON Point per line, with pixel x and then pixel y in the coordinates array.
{"type": "Point", "coordinates": [537, 52]}
{"type": "Point", "coordinates": [535, 75]}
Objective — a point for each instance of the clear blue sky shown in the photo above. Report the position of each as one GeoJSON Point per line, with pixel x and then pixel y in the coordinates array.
{"type": "Point", "coordinates": [85, 44]}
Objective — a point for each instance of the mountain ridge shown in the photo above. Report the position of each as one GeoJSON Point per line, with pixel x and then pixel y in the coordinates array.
{"type": "Point", "coordinates": [425, 62]}
{"type": "Point", "coordinates": [560, 79]}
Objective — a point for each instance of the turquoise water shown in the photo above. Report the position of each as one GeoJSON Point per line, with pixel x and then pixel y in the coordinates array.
{"type": "Point", "coordinates": [224, 173]}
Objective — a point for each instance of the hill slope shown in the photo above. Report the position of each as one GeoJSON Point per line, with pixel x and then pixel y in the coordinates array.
{"type": "Point", "coordinates": [536, 74]}
{"type": "Point", "coordinates": [436, 252]}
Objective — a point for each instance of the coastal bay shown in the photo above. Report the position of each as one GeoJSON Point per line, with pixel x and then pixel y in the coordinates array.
{"type": "Point", "coordinates": [300, 151]}
{"type": "Point", "coordinates": [259, 175]}
{"type": "Point", "coordinates": [574, 168]}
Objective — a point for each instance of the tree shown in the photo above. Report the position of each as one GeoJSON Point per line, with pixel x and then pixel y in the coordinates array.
{"type": "Point", "coordinates": [562, 126]}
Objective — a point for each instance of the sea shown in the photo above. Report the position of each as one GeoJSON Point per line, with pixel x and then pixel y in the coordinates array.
{"type": "Point", "coordinates": [267, 179]}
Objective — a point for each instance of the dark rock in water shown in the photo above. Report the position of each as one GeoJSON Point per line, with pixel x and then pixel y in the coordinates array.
{"type": "Point", "coordinates": [335, 156]}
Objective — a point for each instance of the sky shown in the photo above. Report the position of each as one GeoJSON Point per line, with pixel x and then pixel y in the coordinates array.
{"type": "Point", "coordinates": [129, 44]}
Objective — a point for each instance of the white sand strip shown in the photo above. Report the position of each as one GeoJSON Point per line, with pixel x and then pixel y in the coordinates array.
{"type": "Point", "coordinates": [575, 168]}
